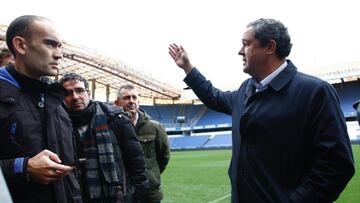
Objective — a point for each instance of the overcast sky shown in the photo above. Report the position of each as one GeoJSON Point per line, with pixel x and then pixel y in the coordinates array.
{"type": "Point", "coordinates": [138, 32]}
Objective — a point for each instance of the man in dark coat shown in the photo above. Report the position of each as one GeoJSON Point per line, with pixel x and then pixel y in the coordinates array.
{"type": "Point", "coordinates": [289, 138]}
{"type": "Point", "coordinates": [106, 138]}
{"type": "Point", "coordinates": [36, 139]}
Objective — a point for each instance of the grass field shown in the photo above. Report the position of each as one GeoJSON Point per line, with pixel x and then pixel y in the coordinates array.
{"type": "Point", "coordinates": [197, 176]}
{"type": "Point", "coordinates": [201, 177]}
{"type": "Point", "coordinates": [351, 194]}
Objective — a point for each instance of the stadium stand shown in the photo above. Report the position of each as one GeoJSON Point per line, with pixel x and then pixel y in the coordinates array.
{"type": "Point", "coordinates": [194, 115]}
{"type": "Point", "coordinates": [219, 141]}
{"type": "Point", "coordinates": [348, 96]}
{"type": "Point", "coordinates": [212, 117]}
{"type": "Point", "coordinates": [188, 142]}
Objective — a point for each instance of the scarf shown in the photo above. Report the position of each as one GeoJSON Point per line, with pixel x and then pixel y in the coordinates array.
{"type": "Point", "coordinates": [100, 167]}
{"type": "Point", "coordinates": [84, 117]}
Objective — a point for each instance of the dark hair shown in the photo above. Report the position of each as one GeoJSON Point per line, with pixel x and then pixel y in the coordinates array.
{"type": "Point", "coordinates": [270, 29]}
{"type": "Point", "coordinates": [21, 26]}
{"type": "Point", "coordinates": [126, 87]}
{"type": "Point", "coordinates": [72, 77]}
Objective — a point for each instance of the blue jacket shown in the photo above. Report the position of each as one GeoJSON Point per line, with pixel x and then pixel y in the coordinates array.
{"type": "Point", "coordinates": [289, 142]}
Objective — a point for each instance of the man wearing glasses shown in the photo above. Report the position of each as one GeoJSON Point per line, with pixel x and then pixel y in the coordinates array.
{"type": "Point", "coordinates": [106, 139]}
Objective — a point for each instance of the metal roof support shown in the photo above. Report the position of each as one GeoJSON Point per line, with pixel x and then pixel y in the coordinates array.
{"type": "Point", "coordinates": [107, 92]}
{"type": "Point", "coordinates": [93, 87]}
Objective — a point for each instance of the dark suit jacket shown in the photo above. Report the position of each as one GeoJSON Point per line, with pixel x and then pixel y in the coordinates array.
{"type": "Point", "coordinates": [289, 142]}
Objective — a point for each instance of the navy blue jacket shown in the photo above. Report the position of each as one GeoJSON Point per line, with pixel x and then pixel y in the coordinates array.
{"type": "Point", "coordinates": [289, 142]}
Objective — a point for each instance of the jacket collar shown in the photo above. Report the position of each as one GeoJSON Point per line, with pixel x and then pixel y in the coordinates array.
{"type": "Point", "coordinates": [284, 76]}
{"type": "Point", "coordinates": [11, 82]}
{"type": "Point", "coordinates": [143, 116]}
{"type": "Point", "coordinates": [26, 83]}
{"type": "Point", "coordinates": [142, 119]}
{"type": "Point", "coordinates": [276, 83]}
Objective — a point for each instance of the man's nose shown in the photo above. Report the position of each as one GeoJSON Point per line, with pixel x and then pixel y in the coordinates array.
{"type": "Point", "coordinates": [58, 55]}
{"type": "Point", "coordinates": [241, 51]}
{"type": "Point", "coordinates": [75, 95]}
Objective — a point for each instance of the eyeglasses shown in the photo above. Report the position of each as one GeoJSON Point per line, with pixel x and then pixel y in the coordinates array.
{"type": "Point", "coordinates": [78, 91]}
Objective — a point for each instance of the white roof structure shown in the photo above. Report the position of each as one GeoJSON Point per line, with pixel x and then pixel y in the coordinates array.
{"type": "Point", "coordinates": [338, 73]}
{"type": "Point", "coordinates": [106, 75]}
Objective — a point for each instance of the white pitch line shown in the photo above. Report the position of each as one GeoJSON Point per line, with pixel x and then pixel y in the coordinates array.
{"type": "Point", "coordinates": [221, 198]}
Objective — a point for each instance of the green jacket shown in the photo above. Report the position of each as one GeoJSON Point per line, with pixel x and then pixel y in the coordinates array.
{"type": "Point", "coordinates": [155, 144]}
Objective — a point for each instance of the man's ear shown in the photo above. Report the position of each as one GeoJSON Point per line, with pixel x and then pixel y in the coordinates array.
{"type": "Point", "coordinates": [271, 47]}
{"type": "Point", "coordinates": [19, 44]}
{"type": "Point", "coordinates": [116, 102]}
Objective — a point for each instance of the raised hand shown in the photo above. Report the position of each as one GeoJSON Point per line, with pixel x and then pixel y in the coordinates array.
{"type": "Point", "coordinates": [180, 57]}
{"type": "Point", "coordinates": [45, 167]}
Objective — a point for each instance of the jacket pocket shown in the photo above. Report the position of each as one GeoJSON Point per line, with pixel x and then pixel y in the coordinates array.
{"type": "Point", "coordinates": [148, 145]}
{"type": "Point", "coordinates": [154, 178]}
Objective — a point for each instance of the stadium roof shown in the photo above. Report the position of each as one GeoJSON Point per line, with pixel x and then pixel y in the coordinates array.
{"type": "Point", "coordinates": [338, 73]}
{"type": "Point", "coordinates": [111, 73]}
{"type": "Point", "coordinates": [106, 75]}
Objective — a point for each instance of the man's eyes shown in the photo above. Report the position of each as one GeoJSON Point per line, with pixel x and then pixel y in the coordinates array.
{"type": "Point", "coordinates": [77, 91]}
{"type": "Point", "coordinates": [130, 97]}
{"type": "Point", "coordinates": [52, 43]}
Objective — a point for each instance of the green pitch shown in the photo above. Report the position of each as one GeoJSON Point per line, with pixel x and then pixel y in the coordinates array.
{"type": "Point", "coordinates": [197, 177]}
{"type": "Point", "coordinates": [201, 177]}
{"type": "Point", "coordinates": [351, 194]}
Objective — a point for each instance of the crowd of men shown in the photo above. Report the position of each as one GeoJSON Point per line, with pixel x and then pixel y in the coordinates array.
{"type": "Point", "coordinates": [58, 145]}
{"type": "Point", "coordinates": [289, 138]}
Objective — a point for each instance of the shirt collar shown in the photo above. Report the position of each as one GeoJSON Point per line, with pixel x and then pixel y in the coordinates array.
{"type": "Point", "coordinates": [136, 119]}
{"type": "Point", "coordinates": [262, 85]}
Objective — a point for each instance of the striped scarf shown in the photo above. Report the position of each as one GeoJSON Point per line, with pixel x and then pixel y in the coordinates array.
{"type": "Point", "coordinates": [100, 168]}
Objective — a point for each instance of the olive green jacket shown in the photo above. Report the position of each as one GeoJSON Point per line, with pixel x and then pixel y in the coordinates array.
{"type": "Point", "coordinates": [155, 144]}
